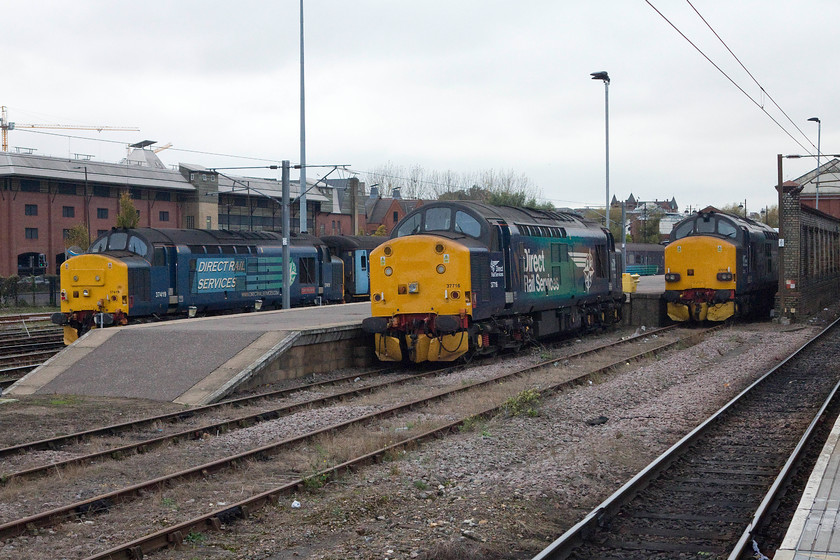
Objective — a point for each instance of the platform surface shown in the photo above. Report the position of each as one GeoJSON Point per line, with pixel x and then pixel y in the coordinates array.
{"type": "Point", "coordinates": [188, 361]}
{"type": "Point", "coordinates": [814, 532]}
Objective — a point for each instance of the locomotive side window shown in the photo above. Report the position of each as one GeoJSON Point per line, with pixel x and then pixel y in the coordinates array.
{"type": "Point", "coordinates": [464, 223]}
{"type": "Point", "coordinates": [159, 257]}
{"type": "Point", "coordinates": [306, 270]}
{"type": "Point", "coordinates": [411, 225]}
{"type": "Point", "coordinates": [438, 219]}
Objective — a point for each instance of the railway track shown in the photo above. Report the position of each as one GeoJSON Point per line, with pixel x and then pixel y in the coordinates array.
{"type": "Point", "coordinates": [713, 491]}
{"type": "Point", "coordinates": [26, 343]}
{"type": "Point", "coordinates": [552, 375]}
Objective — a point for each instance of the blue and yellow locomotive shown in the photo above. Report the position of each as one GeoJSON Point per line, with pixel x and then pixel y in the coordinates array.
{"type": "Point", "coordinates": [718, 265]}
{"type": "Point", "coordinates": [130, 273]}
{"type": "Point", "coordinates": [466, 277]}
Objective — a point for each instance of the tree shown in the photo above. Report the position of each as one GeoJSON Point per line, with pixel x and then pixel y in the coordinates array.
{"type": "Point", "coordinates": [128, 217]}
{"type": "Point", "coordinates": [79, 236]}
{"type": "Point", "coordinates": [380, 231]}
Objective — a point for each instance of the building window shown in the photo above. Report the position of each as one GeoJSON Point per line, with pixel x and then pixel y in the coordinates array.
{"type": "Point", "coordinates": [66, 188]}
{"type": "Point", "coordinates": [163, 196]}
{"type": "Point", "coordinates": [396, 217]}
{"type": "Point", "coordinates": [32, 233]}
{"type": "Point", "coordinates": [30, 185]}
{"type": "Point", "coordinates": [163, 216]}
{"type": "Point", "coordinates": [190, 222]}
{"type": "Point", "coordinates": [104, 192]}
{"type": "Point", "coordinates": [136, 194]}
{"type": "Point", "coordinates": [102, 213]}
{"type": "Point", "coordinates": [31, 210]}
{"type": "Point", "coordinates": [65, 233]}
{"type": "Point", "coordinates": [68, 212]}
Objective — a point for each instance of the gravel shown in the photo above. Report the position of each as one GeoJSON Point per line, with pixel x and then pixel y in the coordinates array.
{"type": "Point", "coordinates": [503, 489]}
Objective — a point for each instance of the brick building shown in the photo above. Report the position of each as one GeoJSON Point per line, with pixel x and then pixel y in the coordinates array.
{"type": "Point", "coordinates": [387, 211]}
{"type": "Point", "coordinates": [41, 198]}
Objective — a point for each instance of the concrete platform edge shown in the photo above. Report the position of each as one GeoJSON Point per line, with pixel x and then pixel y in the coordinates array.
{"type": "Point", "coordinates": [53, 367]}
{"type": "Point", "coordinates": [197, 396]}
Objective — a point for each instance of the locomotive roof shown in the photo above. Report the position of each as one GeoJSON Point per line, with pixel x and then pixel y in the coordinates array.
{"type": "Point", "coordinates": [742, 221]}
{"type": "Point", "coordinates": [354, 241]}
{"type": "Point", "coordinates": [512, 214]}
{"type": "Point", "coordinates": [216, 237]}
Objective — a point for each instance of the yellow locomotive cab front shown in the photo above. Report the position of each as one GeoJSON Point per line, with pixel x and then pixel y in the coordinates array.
{"type": "Point", "coordinates": [420, 299]}
{"type": "Point", "coordinates": [91, 284]}
{"type": "Point", "coordinates": [700, 279]}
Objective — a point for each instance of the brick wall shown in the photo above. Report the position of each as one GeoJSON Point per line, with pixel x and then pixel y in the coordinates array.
{"type": "Point", "coordinates": [809, 276]}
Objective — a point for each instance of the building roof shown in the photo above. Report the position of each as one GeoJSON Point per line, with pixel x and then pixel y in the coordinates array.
{"type": "Point", "coordinates": [829, 179]}
{"type": "Point", "coordinates": [124, 175]}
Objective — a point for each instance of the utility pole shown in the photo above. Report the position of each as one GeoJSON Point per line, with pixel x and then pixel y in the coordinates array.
{"type": "Point", "coordinates": [287, 268]}
{"type": "Point", "coordinates": [303, 225]}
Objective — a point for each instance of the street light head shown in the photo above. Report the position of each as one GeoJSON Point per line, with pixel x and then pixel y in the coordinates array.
{"type": "Point", "coordinates": [814, 119]}
{"type": "Point", "coordinates": [601, 76]}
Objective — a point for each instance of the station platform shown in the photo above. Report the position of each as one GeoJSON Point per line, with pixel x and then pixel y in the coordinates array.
{"type": "Point", "coordinates": [814, 532]}
{"type": "Point", "coordinates": [199, 361]}
{"type": "Point", "coordinates": [202, 360]}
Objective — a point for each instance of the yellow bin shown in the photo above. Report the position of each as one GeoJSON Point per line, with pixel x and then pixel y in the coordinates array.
{"type": "Point", "coordinates": [629, 282]}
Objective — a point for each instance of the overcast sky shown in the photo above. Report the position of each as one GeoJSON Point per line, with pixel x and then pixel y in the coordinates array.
{"type": "Point", "coordinates": [461, 85]}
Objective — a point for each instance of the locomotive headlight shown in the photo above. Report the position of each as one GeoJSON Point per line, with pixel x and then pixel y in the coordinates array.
{"type": "Point", "coordinates": [440, 269]}
{"type": "Point", "coordinates": [86, 293]}
{"type": "Point", "coordinates": [414, 287]}
{"type": "Point", "coordinates": [724, 276]}
{"type": "Point", "coordinates": [672, 277]}
{"type": "Point", "coordinates": [388, 271]}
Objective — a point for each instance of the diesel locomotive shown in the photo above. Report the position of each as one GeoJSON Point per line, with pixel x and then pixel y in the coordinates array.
{"type": "Point", "coordinates": [719, 265]}
{"type": "Point", "coordinates": [146, 272]}
{"type": "Point", "coordinates": [467, 278]}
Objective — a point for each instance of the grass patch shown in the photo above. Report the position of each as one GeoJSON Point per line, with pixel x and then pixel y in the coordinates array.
{"type": "Point", "coordinates": [525, 403]}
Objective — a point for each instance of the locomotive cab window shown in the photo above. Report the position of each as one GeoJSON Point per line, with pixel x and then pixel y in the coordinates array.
{"type": "Point", "coordinates": [99, 246]}
{"type": "Point", "coordinates": [726, 228]}
{"type": "Point", "coordinates": [464, 223]}
{"type": "Point", "coordinates": [684, 230]}
{"type": "Point", "coordinates": [438, 219]}
{"type": "Point", "coordinates": [117, 241]}
{"type": "Point", "coordinates": [411, 225]}
{"type": "Point", "coordinates": [137, 245]}
{"type": "Point", "coordinates": [706, 225]}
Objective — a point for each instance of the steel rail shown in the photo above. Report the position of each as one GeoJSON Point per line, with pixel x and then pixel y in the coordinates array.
{"type": "Point", "coordinates": [58, 441]}
{"type": "Point", "coordinates": [580, 532]}
{"type": "Point", "coordinates": [242, 421]}
{"type": "Point", "coordinates": [105, 501]}
{"type": "Point", "coordinates": [175, 534]}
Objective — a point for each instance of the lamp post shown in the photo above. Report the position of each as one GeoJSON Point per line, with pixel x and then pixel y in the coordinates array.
{"type": "Point", "coordinates": [819, 130]}
{"type": "Point", "coordinates": [606, 79]}
{"type": "Point", "coordinates": [87, 202]}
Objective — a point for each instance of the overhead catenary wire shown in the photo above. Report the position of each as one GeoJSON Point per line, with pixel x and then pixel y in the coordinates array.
{"type": "Point", "coordinates": [734, 83]}
{"type": "Point", "coordinates": [764, 91]}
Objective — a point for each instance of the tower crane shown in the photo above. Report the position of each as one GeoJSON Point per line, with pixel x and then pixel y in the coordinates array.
{"type": "Point", "coordinates": [6, 126]}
